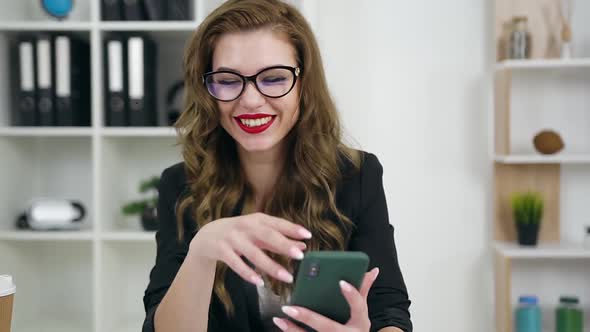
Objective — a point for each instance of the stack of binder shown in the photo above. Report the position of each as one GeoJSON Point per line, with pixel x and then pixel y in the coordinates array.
{"type": "Point", "coordinates": [51, 81]}
{"type": "Point", "coordinates": [145, 10]}
{"type": "Point", "coordinates": [130, 80]}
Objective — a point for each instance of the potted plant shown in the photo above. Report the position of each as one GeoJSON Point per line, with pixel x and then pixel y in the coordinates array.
{"type": "Point", "coordinates": [145, 207]}
{"type": "Point", "coordinates": [527, 209]}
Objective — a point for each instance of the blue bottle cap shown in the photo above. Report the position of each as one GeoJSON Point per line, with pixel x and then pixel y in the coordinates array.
{"type": "Point", "coordinates": [528, 299]}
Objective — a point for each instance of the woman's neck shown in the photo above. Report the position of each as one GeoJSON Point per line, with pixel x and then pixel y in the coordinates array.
{"type": "Point", "coordinates": [262, 169]}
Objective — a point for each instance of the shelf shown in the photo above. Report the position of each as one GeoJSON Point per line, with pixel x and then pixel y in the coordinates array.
{"type": "Point", "coordinates": [52, 325]}
{"type": "Point", "coordinates": [46, 131]}
{"type": "Point", "coordinates": [544, 64]}
{"type": "Point", "coordinates": [128, 236]}
{"type": "Point", "coordinates": [27, 235]}
{"type": "Point", "coordinates": [149, 26]}
{"type": "Point", "coordinates": [542, 251]}
{"type": "Point", "coordinates": [541, 159]}
{"type": "Point", "coordinates": [44, 26]}
{"type": "Point", "coordinates": [138, 132]}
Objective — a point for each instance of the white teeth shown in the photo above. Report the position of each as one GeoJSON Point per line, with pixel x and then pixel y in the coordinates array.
{"type": "Point", "coordinates": [256, 122]}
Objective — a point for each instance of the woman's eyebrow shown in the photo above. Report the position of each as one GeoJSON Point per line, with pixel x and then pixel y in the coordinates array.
{"type": "Point", "coordinates": [239, 72]}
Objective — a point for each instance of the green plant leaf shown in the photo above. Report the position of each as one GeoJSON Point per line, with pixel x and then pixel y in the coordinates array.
{"type": "Point", "coordinates": [527, 207]}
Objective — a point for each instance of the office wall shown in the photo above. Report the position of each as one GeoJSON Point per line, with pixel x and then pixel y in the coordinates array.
{"type": "Point", "coordinates": [412, 80]}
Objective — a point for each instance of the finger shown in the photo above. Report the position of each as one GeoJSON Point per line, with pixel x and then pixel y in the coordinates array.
{"type": "Point", "coordinates": [359, 313]}
{"type": "Point", "coordinates": [368, 281]}
{"type": "Point", "coordinates": [235, 262]}
{"type": "Point", "coordinates": [269, 239]}
{"type": "Point", "coordinates": [312, 319]}
{"type": "Point", "coordinates": [287, 228]}
{"type": "Point", "coordinates": [286, 325]}
{"type": "Point", "coordinates": [257, 257]}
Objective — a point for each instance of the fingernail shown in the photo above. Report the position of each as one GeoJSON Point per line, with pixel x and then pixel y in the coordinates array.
{"type": "Point", "coordinates": [257, 281]}
{"type": "Point", "coordinates": [279, 322]}
{"type": "Point", "coordinates": [285, 276]}
{"type": "Point", "coordinates": [305, 233]}
{"type": "Point", "coordinates": [296, 253]}
{"type": "Point", "coordinates": [376, 273]}
{"type": "Point", "coordinates": [345, 286]}
{"type": "Point", "coordinates": [290, 311]}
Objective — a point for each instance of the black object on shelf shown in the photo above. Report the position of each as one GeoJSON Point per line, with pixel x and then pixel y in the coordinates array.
{"type": "Point", "coordinates": [24, 84]}
{"type": "Point", "coordinates": [72, 81]}
{"type": "Point", "coordinates": [149, 219]}
{"type": "Point", "coordinates": [115, 50]}
{"type": "Point", "coordinates": [45, 73]}
{"type": "Point", "coordinates": [141, 89]}
{"type": "Point", "coordinates": [177, 10]}
{"type": "Point", "coordinates": [133, 10]}
{"type": "Point", "coordinates": [112, 10]}
{"type": "Point", "coordinates": [172, 111]}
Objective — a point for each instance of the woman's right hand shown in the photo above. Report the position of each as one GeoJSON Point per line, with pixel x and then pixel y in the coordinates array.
{"type": "Point", "coordinates": [229, 239]}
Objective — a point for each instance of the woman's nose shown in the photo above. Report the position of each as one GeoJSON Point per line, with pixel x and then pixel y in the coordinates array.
{"type": "Point", "coordinates": [251, 97]}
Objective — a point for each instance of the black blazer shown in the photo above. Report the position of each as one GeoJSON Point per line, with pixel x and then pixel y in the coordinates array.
{"type": "Point", "coordinates": [360, 197]}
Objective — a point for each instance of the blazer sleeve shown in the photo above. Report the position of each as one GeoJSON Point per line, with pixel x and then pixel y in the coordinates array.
{"type": "Point", "coordinates": [388, 300]}
{"type": "Point", "coordinates": [170, 253]}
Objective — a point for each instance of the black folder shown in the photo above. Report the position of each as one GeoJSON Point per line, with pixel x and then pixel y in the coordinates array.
{"type": "Point", "coordinates": [24, 100]}
{"type": "Point", "coordinates": [45, 88]}
{"type": "Point", "coordinates": [155, 10]}
{"type": "Point", "coordinates": [133, 10]}
{"type": "Point", "coordinates": [72, 81]}
{"type": "Point", "coordinates": [115, 102]}
{"type": "Point", "coordinates": [141, 88]}
{"type": "Point", "coordinates": [112, 10]}
{"type": "Point", "coordinates": [178, 10]}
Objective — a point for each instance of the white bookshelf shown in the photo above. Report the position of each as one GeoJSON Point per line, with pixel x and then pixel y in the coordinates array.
{"type": "Point", "coordinates": [93, 279]}
{"type": "Point", "coordinates": [532, 95]}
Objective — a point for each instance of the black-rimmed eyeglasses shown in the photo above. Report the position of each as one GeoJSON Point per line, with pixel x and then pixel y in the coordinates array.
{"type": "Point", "coordinates": [273, 82]}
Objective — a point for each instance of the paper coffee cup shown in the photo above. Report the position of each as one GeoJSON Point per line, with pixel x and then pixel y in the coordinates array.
{"type": "Point", "coordinates": [7, 290]}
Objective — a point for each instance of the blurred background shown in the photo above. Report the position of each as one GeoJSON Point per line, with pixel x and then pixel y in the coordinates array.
{"type": "Point", "coordinates": [479, 111]}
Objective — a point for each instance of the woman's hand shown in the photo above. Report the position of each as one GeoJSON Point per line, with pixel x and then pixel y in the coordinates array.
{"type": "Point", "coordinates": [229, 239]}
{"type": "Point", "coordinates": [359, 313]}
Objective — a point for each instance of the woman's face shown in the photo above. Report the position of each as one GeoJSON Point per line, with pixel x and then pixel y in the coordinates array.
{"type": "Point", "coordinates": [248, 53]}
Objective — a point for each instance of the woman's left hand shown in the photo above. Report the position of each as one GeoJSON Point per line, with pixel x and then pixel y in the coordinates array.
{"type": "Point", "coordinates": [359, 313]}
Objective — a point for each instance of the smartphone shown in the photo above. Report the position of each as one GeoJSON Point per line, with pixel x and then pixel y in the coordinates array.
{"type": "Point", "coordinates": [317, 283]}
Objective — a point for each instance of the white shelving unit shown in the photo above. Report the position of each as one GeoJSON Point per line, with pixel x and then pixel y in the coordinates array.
{"type": "Point", "coordinates": [540, 93]}
{"type": "Point", "coordinates": [91, 280]}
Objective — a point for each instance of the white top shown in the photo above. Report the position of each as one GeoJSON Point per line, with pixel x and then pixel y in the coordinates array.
{"type": "Point", "coordinates": [7, 287]}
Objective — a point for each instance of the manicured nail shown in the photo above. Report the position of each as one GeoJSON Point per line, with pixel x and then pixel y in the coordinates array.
{"type": "Point", "coordinates": [376, 273]}
{"type": "Point", "coordinates": [257, 281]}
{"type": "Point", "coordinates": [345, 286]}
{"type": "Point", "coordinates": [285, 276]}
{"type": "Point", "coordinates": [296, 253]}
{"type": "Point", "coordinates": [290, 311]}
{"type": "Point", "coordinates": [305, 233]}
{"type": "Point", "coordinates": [279, 322]}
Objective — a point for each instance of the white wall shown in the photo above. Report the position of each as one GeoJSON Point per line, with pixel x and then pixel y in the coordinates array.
{"type": "Point", "coordinates": [412, 80]}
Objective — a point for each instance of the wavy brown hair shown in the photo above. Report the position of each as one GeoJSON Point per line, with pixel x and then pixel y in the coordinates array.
{"type": "Point", "coordinates": [306, 187]}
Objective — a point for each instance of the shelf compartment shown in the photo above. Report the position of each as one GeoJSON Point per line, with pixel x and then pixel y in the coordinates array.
{"type": "Point", "coordinates": [46, 131]}
{"type": "Point", "coordinates": [125, 271]}
{"type": "Point", "coordinates": [126, 161]}
{"type": "Point", "coordinates": [543, 251]}
{"type": "Point", "coordinates": [54, 284]}
{"type": "Point", "coordinates": [138, 132]}
{"type": "Point", "coordinates": [45, 167]}
{"type": "Point", "coordinates": [543, 159]}
{"type": "Point", "coordinates": [27, 235]}
{"type": "Point", "coordinates": [544, 64]}
{"type": "Point", "coordinates": [129, 236]}
{"type": "Point", "coordinates": [149, 26]}
{"type": "Point", "coordinates": [33, 12]}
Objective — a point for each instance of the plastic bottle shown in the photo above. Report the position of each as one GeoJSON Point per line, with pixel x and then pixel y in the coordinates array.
{"type": "Point", "coordinates": [528, 315]}
{"type": "Point", "coordinates": [569, 316]}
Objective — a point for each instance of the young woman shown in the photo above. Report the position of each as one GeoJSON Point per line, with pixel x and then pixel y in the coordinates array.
{"type": "Point", "coordinates": [265, 177]}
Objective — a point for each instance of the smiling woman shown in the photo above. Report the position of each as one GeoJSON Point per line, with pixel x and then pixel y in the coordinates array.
{"type": "Point", "coordinates": [265, 178]}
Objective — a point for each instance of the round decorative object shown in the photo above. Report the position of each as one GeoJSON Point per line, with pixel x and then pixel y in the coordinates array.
{"type": "Point", "coordinates": [548, 142]}
{"type": "Point", "coordinates": [57, 8]}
